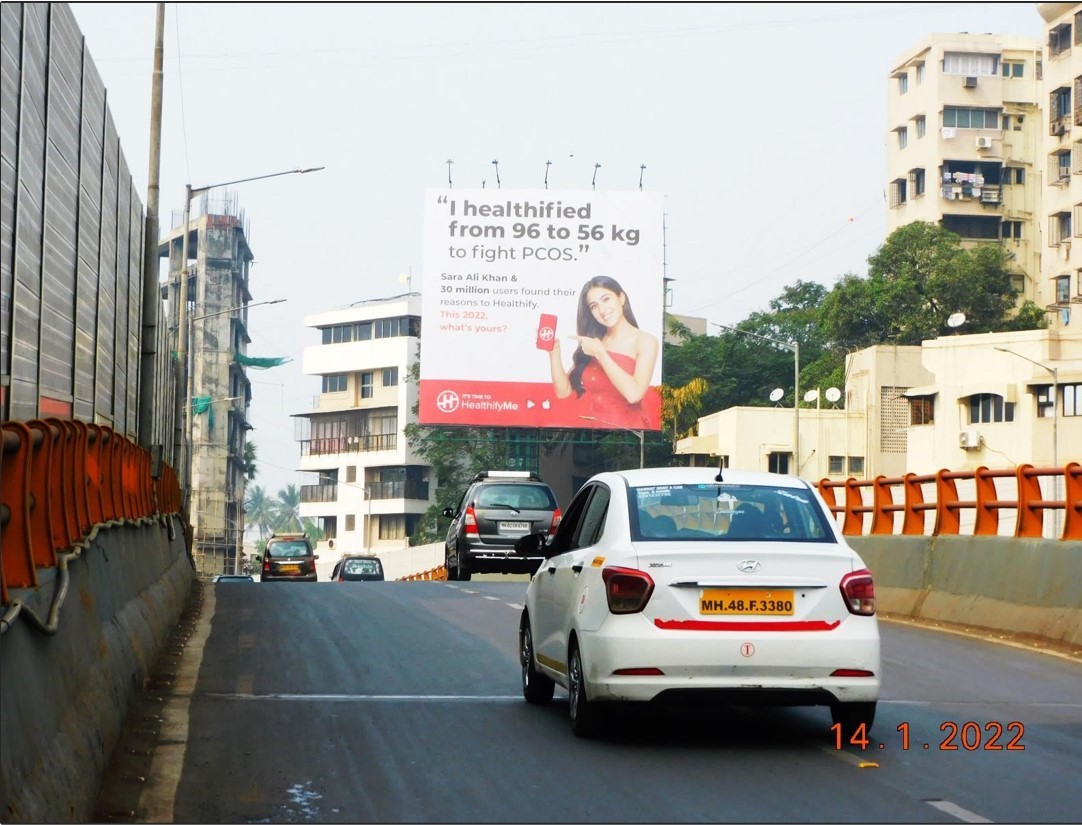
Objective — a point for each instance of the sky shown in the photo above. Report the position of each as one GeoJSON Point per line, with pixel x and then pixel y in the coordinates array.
{"type": "Point", "coordinates": [763, 126]}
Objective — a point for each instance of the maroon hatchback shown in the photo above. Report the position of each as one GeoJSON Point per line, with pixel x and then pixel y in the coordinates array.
{"type": "Point", "coordinates": [289, 557]}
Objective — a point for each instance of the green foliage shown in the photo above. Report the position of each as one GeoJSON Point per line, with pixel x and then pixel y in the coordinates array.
{"type": "Point", "coordinates": [250, 454]}
{"type": "Point", "coordinates": [917, 279]}
{"type": "Point", "coordinates": [260, 511]}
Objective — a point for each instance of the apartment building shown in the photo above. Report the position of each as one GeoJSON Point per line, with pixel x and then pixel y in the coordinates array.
{"type": "Point", "coordinates": [965, 142]}
{"type": "Point", "coordinates": [370, 489]}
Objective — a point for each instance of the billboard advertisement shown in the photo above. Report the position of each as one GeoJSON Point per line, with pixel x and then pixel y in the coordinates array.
{"type": "Point", "coordinates": [542, 309]}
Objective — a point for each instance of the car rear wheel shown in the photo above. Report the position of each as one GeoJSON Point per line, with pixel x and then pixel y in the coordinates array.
{"type": "Point", "coordinates": [585, 715]}
{"type": "Point", "coordinates": [536, 687]}
{"type": "Point", "coordinates": [851, 715]}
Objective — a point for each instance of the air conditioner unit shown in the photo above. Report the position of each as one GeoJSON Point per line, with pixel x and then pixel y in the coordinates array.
{"type": "Point", "coordinates": [984, 142]}
{"type": "Point", "coordinates": [970, 440]}
{"type": "Point", "coordinates": [970, 83]}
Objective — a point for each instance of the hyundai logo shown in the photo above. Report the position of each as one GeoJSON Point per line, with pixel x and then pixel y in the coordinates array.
{"type": "Point", "coordinates": [749, 566]}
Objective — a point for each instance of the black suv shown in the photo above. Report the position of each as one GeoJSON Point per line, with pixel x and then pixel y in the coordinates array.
{"type": "Point", "coordinates": [288, 557]}
{"type": "Point", "coordinates": [497, 509]}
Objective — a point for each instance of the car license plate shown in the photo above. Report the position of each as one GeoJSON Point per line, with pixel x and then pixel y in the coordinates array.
{"type": "Point", "coordinates": [289, 568]}
{"type": "Point", "coordinates": [514, 526]}
{"type": "Point", "coordinates": [746, 602]}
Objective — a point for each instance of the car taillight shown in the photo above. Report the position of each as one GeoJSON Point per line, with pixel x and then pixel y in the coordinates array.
{"type": "Point", "coordinates": [266, 564]}
{"type": "Point", "coordinates": [858, 590]}
{"type": "Point", "coordinates": [470, 520]}
{"type": "Point", "coordinates": [626, 589]}
{"type": "Point", "coordinates": [556, 518]}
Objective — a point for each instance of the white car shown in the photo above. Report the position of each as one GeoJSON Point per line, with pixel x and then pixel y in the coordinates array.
{"type": "Point", "coordinates": [690, 583]}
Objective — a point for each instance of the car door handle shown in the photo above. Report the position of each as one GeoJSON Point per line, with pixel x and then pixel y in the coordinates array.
{"type": "Point", "coordinates": [577, 567]}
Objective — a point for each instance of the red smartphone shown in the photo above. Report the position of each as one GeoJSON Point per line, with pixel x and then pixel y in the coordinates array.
{"type": "Point", "coordinates": [546, 332]}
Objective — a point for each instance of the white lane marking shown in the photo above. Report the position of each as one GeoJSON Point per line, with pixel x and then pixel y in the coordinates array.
{"type": "Point", "coordinates": [363, 697]}
{"type": "Point", "coordinates": [453, 586]}
{"type": "Point", "coordinates": [512, 604]}
{"type": "Point", "coordinates": [491, 598]}
{"type": "Point", "coordinates": [956, 811]}
{"type": "Point", "coordinates": [464, 590]}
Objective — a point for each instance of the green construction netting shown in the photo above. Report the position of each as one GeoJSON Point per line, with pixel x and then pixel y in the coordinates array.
{"type": "Point", "coordinates": [202, 404]}
{"type": "Point", "coordinates": [258, 363]}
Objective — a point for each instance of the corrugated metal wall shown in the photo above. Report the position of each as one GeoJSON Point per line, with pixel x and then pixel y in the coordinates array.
{"type": "Point", "coordinates": [71, 237]}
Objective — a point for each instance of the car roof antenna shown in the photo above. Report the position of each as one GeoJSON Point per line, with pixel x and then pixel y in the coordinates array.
{"type": "Point", "coordinates": [719, 480]}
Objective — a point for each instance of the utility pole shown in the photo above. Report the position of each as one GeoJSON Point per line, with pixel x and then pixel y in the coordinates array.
{"type": "Point", "coordinates": [151, 299]}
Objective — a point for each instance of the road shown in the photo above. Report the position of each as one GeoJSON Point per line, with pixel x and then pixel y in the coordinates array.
{"type": "Point", "coordinates": [400, 702]}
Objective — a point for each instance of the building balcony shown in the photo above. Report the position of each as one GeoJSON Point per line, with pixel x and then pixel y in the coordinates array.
{"type": "Point", "coordinates": [319, 492]}
{"type": "Point", "coordinates": [349, 444]}
{"type": "Point", "coordinates": [379, 490]}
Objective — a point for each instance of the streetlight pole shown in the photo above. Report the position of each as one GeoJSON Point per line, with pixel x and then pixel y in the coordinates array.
{"type": "Point", "coordinates": [795, 349]}
{"type": "Point", "coordinates": [183, 455]}
{"type": "Point", "coordinates": [1054, 372]}
{"type": "Point", "coordinates": [637, 433]}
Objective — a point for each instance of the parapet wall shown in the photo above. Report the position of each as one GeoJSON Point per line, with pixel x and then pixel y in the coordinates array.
{"type": "Point", "coordinates": [1015, 585]}
{"type": "Point", "coordinates": [64, 695]}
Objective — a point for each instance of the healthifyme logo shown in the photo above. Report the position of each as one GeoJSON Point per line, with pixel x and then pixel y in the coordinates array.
{"type": "Point", "coordinates": [546, 333]}
{"type": "Point", "coordinates": [447, 401]}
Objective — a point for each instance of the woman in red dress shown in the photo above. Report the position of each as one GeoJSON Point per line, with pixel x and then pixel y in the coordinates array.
{"type": "Point", "coordinates": [613, 363]}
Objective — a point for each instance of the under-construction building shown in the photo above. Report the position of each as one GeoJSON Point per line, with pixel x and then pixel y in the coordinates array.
{"type": "Point", "coordinates": [218, 386]}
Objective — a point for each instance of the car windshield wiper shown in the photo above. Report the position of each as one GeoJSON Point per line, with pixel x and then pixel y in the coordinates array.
{"type": "Point", "coordinates": [500, 506]}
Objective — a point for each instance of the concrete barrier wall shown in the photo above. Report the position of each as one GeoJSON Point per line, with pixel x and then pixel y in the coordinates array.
{"type": "Point", "coordinates": [1029, 586]}
{"type": "Point", "coordinates": [64, 697]}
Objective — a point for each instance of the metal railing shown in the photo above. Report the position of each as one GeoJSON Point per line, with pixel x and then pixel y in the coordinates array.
{"type": "Point", "coordinates": [378, 490]}
{"type": "Point", "coordinates": [319, 492]}
{"type": "Point", "coordinates": [870, 506]}
{"type": "Point", "coordinates": [348, 444]}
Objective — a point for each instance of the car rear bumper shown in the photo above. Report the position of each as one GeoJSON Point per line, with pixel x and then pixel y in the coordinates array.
{"type": "Point", "coordinates": [311, 577]}
{"type": "Point", "coordinates": [737, 662]}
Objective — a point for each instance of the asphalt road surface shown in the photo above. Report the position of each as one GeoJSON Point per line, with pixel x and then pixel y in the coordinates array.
{"type": "Point", "coordinates": [401, 702]}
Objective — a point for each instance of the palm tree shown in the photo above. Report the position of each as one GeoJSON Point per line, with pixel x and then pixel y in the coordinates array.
{"type": "Point", "coordinates": [288, 510]}
{"type": "Point", "coordinates": [250, 455]}
{"type": "Point", "coordinates": [259, 511]}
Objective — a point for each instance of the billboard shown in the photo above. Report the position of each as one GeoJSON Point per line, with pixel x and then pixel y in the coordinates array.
{"type": "Point", "coordinates": [542, 309]}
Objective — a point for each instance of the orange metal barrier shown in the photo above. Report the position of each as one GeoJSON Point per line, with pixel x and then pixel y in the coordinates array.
{"type": "Point", "coordinates": [58, 479]}
{"type": "Point", "coordinates": [909, 495]}
{"type": "Point", "coordinates": [436, 574]}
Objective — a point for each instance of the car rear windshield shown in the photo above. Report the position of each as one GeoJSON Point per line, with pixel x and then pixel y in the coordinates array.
{"type": "Point", "coordinates": [367, 567]}
{"type": "Point", "coordinates": [516, 496]}
{"type": "Point", "coordinates": [287, 549]}
{"type": "Point", "coordinates": [683, 512]}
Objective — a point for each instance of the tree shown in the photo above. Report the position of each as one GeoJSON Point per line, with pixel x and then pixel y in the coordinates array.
{"type": "Point", "coordinates": [288, 510]}
{"type": "Point", "coordinates": [259, 511]}
{"type": "Point", "coordinates": [680, 407]}
{"type": "Point", "coordinates": [917, 279]}
{"type": "Point", "coordinates": [250, 453]}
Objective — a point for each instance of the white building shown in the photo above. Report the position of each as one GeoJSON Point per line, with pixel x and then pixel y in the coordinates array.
{"type": "Point", "coordinates": [371, 489]}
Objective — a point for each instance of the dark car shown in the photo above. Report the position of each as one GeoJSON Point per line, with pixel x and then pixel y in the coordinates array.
{"type": "Point", "coordinates": [289, 557]}
{"type": "Point", "coordinates": [358, 569]}
{"type": "Point", "coordinates": [496, 510]}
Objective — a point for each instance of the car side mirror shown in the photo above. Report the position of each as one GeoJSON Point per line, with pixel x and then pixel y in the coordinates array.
{"type": "Point", "coordinates": [531, 545]}
{"type": "Point", "coordinates": [448, 512]}
{"type": "Point", "coordinates": [315, 557]}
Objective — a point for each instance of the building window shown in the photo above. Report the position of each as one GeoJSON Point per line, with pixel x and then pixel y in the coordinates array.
{"type": "Point", "coordinates": [919, 73]}
{"type": "Point", "coordinates": [836, 465]}
{"type": "Point", "coordinates": [970, 63]}
{"type": "Point", "coordinates": [1013, 68]}
{"type": "Point", "coordinates": [921, 125]}
{"type": "Point", "coordinates": [916, 181]}
{"type": "Point", "coordinates": [856, 465]}
{"type": "Point", "coordinates": [367, 380]}
{"type": "Point", "coordinates": [1059, 167]}
{"type": "Point", "coordinates": [1012, 230]}
{"type": "Point", "coordinates": [390, 376]}
{"type": "Point", "coordinates": [903, 136]}
{"type": "Point", "coordinates": [351, 522]}
{"type": "Point", "coordinates": [339, 382]}
{"type": "Point", "coordinates": [1045, 401]}
{"type": "Point", "coordinates": [903, 83]}
{"type": "Point", "coordinates": [1059, 40]}
{"type": "Point", "coordinates": [1063, 289]}
{"type": "Point", "coordinates": [1072, 399]}
{"type": "Point", "coordinates": [392, 527]}
{"type": "Point", "coordinates": [1059, 228]}
{"type": "Point", "coordinates": [897, 193]}
{"type": "Point", "coordinates": [1018, 283]}
{"type": "Point", "coordinates": [1014, 175]}
{"type": "Point", "coordinates": [1059, 110]}
{"type": "Point", "coordinates": [351, 474]}
{"type": "Point", "coordinates": [921, 411]}
{"type": "Point", "coordinates": [364, 331]}
{"type": "Point", "coordinates": [989, 408]}
{"type": "Point", "coordinates": [965, 117]}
